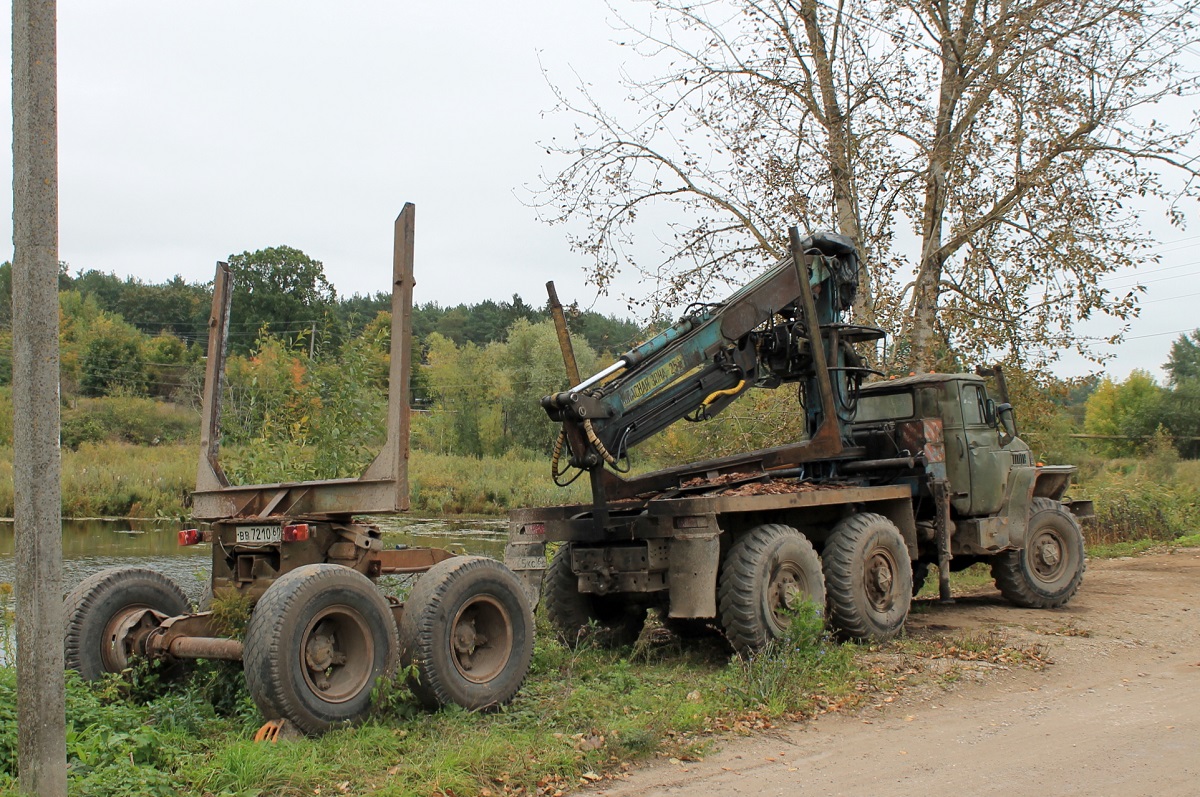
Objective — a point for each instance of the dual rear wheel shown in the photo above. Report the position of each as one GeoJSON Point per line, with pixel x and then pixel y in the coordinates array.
{"type": "Point", "coordinates": [769, 575]}
{"type": "Point", "coordinates": [863, 580]}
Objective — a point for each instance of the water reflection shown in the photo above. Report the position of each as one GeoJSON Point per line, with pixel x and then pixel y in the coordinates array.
{"type": "Point", "coordinates": [93, 545]}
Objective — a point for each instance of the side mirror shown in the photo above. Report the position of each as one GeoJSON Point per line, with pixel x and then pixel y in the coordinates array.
{"type": "Point", "coordinates": [1005, 413]}
{"type": "Point", "coordinates": [989, 412]}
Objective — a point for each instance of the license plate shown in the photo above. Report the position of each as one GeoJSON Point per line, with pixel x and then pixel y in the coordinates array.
{"type": "Point", "coordinates": [259, 533]}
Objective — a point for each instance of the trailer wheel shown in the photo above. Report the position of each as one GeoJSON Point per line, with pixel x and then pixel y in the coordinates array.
{"type": "Point", "coordinates": [107, 610]}
{"type": "Point", "coordinates": [1045, 573]}
{"type": "Point", "coordinates": [609, 622]}
{"type": "Point", "coordinates": [868, 578]}
{"type": "Point", "coordinates": [318, 640]}
{"type": "Point", "coordinates": [467, 632]}
{"type": "Point", "coordinates": [765, 576]}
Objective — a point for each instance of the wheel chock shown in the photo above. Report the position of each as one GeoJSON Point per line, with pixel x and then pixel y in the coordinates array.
{"type": "Point", "coordinates": [274, 731]}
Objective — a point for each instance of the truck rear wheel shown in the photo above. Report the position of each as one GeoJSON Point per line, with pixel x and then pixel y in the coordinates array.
{"type": "Point", "coordinates": [104, 609]}
{"type": "Point", "coordinates": [468, 632]}
{"type": "Point", "coordinates": [319, 639]}
{"type": "Point", "coordinates": [868, 578]}
{"type": "Point", "coordinates": [764, 578]}
{"type": "Point", "coordinates": [608, 621]}
{"type": "Point", "coordinates": [1045, 573]}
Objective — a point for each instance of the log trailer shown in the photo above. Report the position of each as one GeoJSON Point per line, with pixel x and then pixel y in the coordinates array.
{"type": "Point", "coordinates": [320, 633]}
{"type": "Point", "coordinates": [892, 478]}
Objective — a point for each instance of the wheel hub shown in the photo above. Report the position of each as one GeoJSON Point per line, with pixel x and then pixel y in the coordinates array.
{"type": "Point", "coordinates": [321, 653]}
{"type": "Point", "coordinates": [125, 635]}
{"type": "Point", "coordinates": [338, 654]}
{"type": "Point", "coordinates": [880, 579]}
{"type": "Point", "coordinates": [1046, 556]}
{"type": "Point", "coordinates": [481, 639]}
{"type": "Point", "coordinates": [1049, 553]}
{"type": "Point", "coordinates": [785, 593]}
{"type": "Point", "coordinates": [466, 640]}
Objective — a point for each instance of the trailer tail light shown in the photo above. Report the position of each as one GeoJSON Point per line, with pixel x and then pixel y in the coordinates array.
{"type": "Point", "coordinates": [295, 533]}
{"type": "Point", "coordinates": [190, 537]}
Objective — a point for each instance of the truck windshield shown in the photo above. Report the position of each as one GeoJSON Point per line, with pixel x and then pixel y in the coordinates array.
{"type": "Point", "coordinates": [885, 407]}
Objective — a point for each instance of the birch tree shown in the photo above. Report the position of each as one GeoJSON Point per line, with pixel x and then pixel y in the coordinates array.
{"type": "Point", "coordinates": [984, 156]}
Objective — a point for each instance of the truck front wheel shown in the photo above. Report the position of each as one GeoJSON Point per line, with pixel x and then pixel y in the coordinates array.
{"type": "Point", "coordinates": [1045, 573]}
{"type": "Point", "coordinates": [608, 621]}
{"type": "Point", "coordinates": [868, 577]}
{"type": "Point", "coordinates": [766, 576]}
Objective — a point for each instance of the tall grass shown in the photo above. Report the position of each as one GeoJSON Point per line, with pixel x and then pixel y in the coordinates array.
{"type": "Point", "coordinates": [117, 480]}
{"type": "Point", "coordinates": [123, 480]}
{"type": "Point", "coordinates": [444, 484]}
{"type": "Point", "coordinates": [1155, 498]}
{"type": "Point", "coordinates": [127, 419]}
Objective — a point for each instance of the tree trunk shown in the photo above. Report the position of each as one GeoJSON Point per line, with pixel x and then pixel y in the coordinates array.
{"type": "Point", "coordinates": [926, 287]}
{"type": "Point", "coordinates": [840, 147]}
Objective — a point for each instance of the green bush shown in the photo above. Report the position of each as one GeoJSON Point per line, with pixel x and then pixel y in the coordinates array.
{"type": "Point", "coordinates": [126, 419]}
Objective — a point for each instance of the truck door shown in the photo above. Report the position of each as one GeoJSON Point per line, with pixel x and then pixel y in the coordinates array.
{"type": "Point", "coordinates": [989, 463]}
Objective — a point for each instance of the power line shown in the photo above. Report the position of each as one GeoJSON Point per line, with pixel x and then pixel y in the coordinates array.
{"type": "Point", "coordinates": [1136, 283]}
{"type": "Point", "coordinates": [1161, 334]}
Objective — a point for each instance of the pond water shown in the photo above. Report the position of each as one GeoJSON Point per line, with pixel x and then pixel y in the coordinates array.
{"type": "Point", "coordinates": [93, 545]}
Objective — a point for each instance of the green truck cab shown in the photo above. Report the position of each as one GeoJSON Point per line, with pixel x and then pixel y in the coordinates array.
{"type": "Point", "coordinates": [1003, 505]}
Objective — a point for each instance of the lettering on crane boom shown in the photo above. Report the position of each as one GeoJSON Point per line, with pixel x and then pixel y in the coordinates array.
{"type": "Point", "coordinates": [673, 371]}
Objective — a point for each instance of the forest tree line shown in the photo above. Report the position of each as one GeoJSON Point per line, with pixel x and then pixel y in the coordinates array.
{"type": "Point", "coordinates": [307, 376]}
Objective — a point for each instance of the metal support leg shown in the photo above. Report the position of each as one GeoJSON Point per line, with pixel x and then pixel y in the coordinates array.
{"type": "Point", "coordinates": [941, 497]}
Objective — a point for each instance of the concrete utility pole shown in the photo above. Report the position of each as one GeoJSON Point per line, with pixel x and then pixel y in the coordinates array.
{"type": "Point", "coordinates": [41, 699]}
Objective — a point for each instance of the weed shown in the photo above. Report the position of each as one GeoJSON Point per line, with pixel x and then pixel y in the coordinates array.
{"type": "Point", "coordinates": [779, 676]}
{"type": "Point", "coordinates": [230, 612]}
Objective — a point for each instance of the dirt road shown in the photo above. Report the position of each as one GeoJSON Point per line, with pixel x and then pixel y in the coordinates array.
{"type": "Point", "coordinates": [1117, 713]}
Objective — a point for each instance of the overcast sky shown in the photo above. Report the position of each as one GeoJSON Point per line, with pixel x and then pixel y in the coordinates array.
{"type": "Point", "coordinates": [189, 131]}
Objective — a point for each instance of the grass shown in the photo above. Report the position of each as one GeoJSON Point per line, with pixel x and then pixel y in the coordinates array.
{"type": "Point", "coordinates": [583, 715]}
{"type": "Point", "coordinates": [1134, 547]}
{"type": "Point", "coordinates": [1156, 498]}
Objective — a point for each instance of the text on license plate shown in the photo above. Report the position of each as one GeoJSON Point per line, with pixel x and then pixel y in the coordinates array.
{"type": "Point", "coordinates": [259, 533]}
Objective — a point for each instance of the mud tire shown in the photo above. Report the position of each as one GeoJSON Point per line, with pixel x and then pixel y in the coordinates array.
{"type": "Point", "coordinates": [868, 578]}
{"type": "Point", "coordinates": [95, 607]}
{"type": "Point", "coordinates": [1047, 572]}
{"type": "Point", "coordinates": [467, 633]}
{"type": "Point", "coordinates": [318, 641]}
{"type": "Point", "coordinates": [608, 622]}
{"type": "Point", "coordinates": [764, 573]}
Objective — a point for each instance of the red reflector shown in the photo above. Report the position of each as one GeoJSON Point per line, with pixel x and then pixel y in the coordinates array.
{"type": "Point", "coordinates": [296, 533]}
{"type": "Point", "coordinates": [189, 537]}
